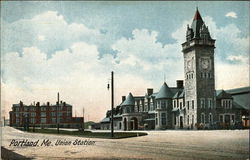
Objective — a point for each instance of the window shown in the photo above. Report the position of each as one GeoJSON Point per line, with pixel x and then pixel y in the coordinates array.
{"type": "Point", "coordinates": [192, 104]}
{"type": "Point", "coordinates": [53, 114]}
{"type": "Point", "coordinates": [192, 119]}
{"type": "Point", "coordinates": [174, 103]}
{"type": "Point", "coordinates": [232, 117]}
{"type": "Point", "coordinates": [210, 118]}
{"type": "Point", "coordinates": [221, 118]}
{"type": "Point", "coordinates": [17, 109]}
{"type": "Point", "coordinates": [229, 103]}
{"type": "Point", "coordinates": [33, 114]}
{"type": "Point", "coordinates": [202, 103]}
{"type": "Point", "coordinates": [69, 113]}
{"type": "Point", "coordinates": [188, 119]}
{"type": "Point", "coordinates": [32, 120]}
{"type": "Point", "coordinates": [43, 120]}
{"type": "Point", "coordinates": [156, 119]}
{"type": "Point", "coordinates": [188, 105]}
{"type": "Point", "coordinates": [163, 104]}
{"type": "Point", "coordinates": [43, 108]}
{"type": "Point", "coordinates": [180, 105]}
{"type": "Point", "coordinates": [43, 114]}
{"type": "Point", "coordinates": [163, 118]}
{"type": "Point", "coordinates": [202, 118]}
{"type": "Point", "coordinates": [209, 103]}
{"type": "Point", "coordinates": [17, 114]}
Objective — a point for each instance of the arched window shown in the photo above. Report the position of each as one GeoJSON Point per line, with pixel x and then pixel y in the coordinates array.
{"type": "Point", "coordinates": [210, 118]}
{"type": "Point", "coordinates": [202, 118]}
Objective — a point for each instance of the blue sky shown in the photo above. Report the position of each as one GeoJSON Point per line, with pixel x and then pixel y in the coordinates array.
{"type": "Point", "coordinates": [71, 47]}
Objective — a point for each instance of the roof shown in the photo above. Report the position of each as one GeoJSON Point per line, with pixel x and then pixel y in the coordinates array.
{"type": "Point", "coordinates": [221, 94]}
{"type": "Point", "coordinates": [106, 119]}
{"type": "Point", "coordinates": [197, 24]}
{"type": "Point", "coordinates": [177, 94]}
{"type": "Point", "coordinates": [237, 106]}
{"type": "Point", "coordinates": [241, 96]}
{"type": "Point", "coordinates": [129, 100]}
{"type": "Point", "coordinates": [182, 95]}
{"type": "Point", "coordinates": [239, 90]}
{"type": "Point", "coordinates": [164, 92]}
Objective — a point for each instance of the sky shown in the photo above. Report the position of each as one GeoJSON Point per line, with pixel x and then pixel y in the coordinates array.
{"type": "Point", "coordinates": [71, 47]}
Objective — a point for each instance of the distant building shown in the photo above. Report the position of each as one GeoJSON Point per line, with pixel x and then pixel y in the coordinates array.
{"type": "Point", "coordinates": [45, 115]}
{"type": "Point", "coordinates": [197, 105]}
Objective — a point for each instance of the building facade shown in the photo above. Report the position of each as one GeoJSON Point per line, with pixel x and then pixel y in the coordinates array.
{"type": "Point", "coordinates": [197, 105]}
{"type": "Point", "coordinates": [46, 115]}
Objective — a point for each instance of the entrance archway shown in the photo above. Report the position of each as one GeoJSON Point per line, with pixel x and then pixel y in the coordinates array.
{"type": "Point", "coordinates": [134, 124]}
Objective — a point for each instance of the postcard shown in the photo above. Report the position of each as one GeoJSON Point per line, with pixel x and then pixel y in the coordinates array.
{"type": "Point", "coordinates": [126, 80]}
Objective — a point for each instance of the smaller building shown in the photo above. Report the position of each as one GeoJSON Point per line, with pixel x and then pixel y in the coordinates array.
{"type": "Point", "coordinates": [46, 115]}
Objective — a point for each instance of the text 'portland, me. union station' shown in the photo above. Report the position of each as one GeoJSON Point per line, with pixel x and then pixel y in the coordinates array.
{"type": "Point", "coordinates": [197, 105]}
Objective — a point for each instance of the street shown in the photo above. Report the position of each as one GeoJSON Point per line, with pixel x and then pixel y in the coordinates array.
{"type": "Point", "coordinates": [172, 144]}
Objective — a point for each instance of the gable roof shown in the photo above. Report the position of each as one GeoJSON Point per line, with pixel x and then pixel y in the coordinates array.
{"type": "Point", "coordinates": [164, 92]}
{"type": "Point", "coordinates": [221, 94]}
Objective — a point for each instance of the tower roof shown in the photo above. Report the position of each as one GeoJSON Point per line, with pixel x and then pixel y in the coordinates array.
{"type": "Point", "coordinates": [164, 92]}
{"type": "Point", "coordinates": [197, 24]}
{"type": "Point", "coordinates": [129, 100]}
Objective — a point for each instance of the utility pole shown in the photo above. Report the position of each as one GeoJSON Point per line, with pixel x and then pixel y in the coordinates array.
{"type": "Point", "coordinates": [112, 104]}
{"type": "Point", "coordinates": [57, 113]}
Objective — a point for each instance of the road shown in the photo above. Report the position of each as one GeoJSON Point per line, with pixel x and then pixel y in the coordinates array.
{"type": "Point", "coordinates": [221, 144]}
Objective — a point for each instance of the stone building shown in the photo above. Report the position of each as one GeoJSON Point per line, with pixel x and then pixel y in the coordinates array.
{"type": "Point", "coordinates": [197, 105]}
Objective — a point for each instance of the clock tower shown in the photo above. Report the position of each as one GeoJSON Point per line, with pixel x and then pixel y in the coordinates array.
{"type": "Point", "coordinates": [198, 51]}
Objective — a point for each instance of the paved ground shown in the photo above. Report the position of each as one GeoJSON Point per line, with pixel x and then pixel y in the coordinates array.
{"type": "Point", "coordinates": [224, 144]}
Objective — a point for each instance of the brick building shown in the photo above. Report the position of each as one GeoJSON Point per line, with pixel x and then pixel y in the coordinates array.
{"type": "Point", "coordinates": [45, 115]}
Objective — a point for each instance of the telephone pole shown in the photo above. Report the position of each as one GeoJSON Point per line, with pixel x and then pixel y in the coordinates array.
{"type": "Point", "coordinates": [112, 104]}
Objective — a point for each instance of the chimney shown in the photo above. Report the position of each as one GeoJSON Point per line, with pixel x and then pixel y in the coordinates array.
{"type": "Point", "coordinates": [38, 104]}
{"type": "Point", "coordinates": [123, 98]}
{"type": "Point", "coordinates": [179, 83]}
{"type": "Point", "coordinates": [61, 102]}
{"type": "Point", "coordinates": [150, 91]}
{"type": "Point", "coordinates": [64, 104]}
{"type": "Point", "coordinates": [47, 103]}
{"type": "Point", "coordinates": [58, 97]}
{"type": "Point", "coordinates": [21, 104]}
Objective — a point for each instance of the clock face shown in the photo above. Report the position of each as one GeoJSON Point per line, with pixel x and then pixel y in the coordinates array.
{"type": "Point", "coordinates": [205, 63]}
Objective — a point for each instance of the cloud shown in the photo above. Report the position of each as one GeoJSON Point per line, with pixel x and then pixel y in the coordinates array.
{"type": "Point", "coordinates": [76, 72]}
{"type": "Point", "coordinates": [41, 37]}
{"type": "Point", "coordinates": [238, 59]}
{"type": "Point", "coordinates": [231, 14]}
{"type": "Point", "coordinates": [52, 26]}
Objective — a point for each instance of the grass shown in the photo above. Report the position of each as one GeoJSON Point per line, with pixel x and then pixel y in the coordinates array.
{"type": "Point", "coordinates": [88, 134]}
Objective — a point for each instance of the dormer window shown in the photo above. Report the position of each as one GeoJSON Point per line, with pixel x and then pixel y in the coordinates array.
{"type": "Point", "coordinates": [226, 103]}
